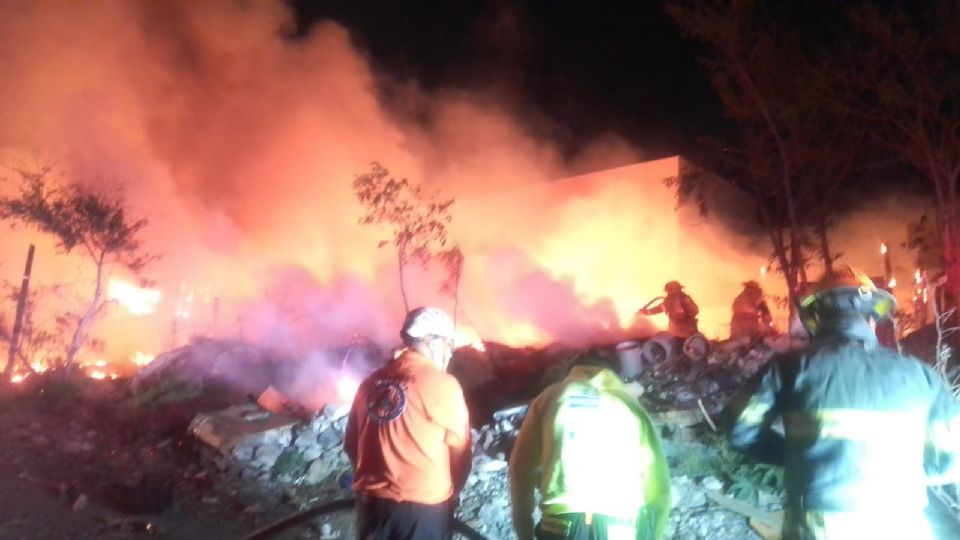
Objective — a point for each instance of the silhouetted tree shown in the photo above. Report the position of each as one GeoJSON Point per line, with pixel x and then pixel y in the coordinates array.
{"type": "Point", "coordinates": [903, 76]}
{"type": "Point", "coordinates": [81, 220]}
{"type": "Point", "coordinates": [418, 221]}
{"type": "Point", "coordinates": [788, 146]}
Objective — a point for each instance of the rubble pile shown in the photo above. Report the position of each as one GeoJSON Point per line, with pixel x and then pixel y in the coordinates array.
{"type": "Point", "coordinates": [247, 463]}
{"type": "Point", "coordinates": [266, 447]}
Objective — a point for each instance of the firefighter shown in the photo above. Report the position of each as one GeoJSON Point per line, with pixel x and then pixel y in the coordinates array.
{"type": "Point", "coordinates": [751, 316]}
{"type": "Point", "coordinates": [597, 458]}
{"type": "Point", "coordinates": [865, 429]}
{"type": "Point", "coordinates": [681, 310]}
{"type": "Point", "coordinates": [408, 437]}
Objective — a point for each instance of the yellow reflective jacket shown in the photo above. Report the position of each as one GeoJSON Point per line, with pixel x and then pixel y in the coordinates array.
{"type": "Point", "coordinates": [596, 451]}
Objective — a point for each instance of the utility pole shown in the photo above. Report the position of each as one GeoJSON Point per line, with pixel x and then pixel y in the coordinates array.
{"type": "Point", "coordinates": [18, 320]}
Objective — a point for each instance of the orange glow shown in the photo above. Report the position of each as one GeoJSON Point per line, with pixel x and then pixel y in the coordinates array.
{"type": "Point", "coordinates": [141, 358]}
{"type": "Point", "coordinates": [244, 179]}
{"type": "Point", "coordinates": [136, 300]}
{"type": "Point", "coordinates": [347, 388]}
{"type": "Point", "coordinates": [468, 337]}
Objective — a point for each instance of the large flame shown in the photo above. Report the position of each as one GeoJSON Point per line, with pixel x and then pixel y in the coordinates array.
{"type": "Point", "coordinates": [239, 145]}
{"type": "Point", "coordinates": [136, 300]}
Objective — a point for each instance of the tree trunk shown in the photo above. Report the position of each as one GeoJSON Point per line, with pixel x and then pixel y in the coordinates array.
{"type": "Point", "coordinates": [81, 331]}
{"type": "Point", "coordinates": [401, 257]}
{"type": "Point", "coordinates": [18, 318]}
{"type": "Point", "coordinates": [824, 245]}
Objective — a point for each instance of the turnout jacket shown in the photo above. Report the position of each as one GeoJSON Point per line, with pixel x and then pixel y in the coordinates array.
{"type": "Point", "coordinates": [864, 428]}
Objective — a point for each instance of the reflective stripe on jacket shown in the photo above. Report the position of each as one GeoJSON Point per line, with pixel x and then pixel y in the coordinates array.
{"type": "Point", "coordinates": [863, 427]}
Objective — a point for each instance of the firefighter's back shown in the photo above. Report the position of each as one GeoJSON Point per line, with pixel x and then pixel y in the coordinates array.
{"type": "Point", "coordinates": [855, 419]}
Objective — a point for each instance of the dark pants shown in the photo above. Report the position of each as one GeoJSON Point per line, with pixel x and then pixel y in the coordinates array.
{"type": "Point", "coordinates": [383, 519]}
{"type": "Point", "coordinates": [575, 527]}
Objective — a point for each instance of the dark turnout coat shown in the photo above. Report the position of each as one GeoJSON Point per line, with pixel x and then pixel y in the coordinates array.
{"type": "Point", "coordinates": [865, 429]}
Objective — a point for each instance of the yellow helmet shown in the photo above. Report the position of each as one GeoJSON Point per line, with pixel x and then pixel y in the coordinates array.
{"type": "Point", "coordinates": [843, 292]}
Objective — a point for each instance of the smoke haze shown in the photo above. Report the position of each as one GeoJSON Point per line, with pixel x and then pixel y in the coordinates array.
{"type": "Point", "coordinates": [239, 145]}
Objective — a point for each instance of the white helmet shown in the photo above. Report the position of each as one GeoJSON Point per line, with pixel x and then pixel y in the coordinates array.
{"type": "Point", "coordinates": [423, 322]}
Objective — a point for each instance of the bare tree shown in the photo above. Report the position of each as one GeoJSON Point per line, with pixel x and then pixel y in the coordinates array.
{"type": "Point", "coordinates": [96, 225]}
{"type": "Point", "coordinates": [903, 78]}
{"type": "Point", "coordinates": [791, 146]}
{"type": "Point", "coordinates": [418, 221]}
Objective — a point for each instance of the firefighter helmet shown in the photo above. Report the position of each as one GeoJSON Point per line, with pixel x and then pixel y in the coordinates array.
{"type": "Point", "coordinates": [424, 322]}
{"type": "Point", "coordinates": [673, 286]}
{"type": "Point", "coordinates": [843, 292]}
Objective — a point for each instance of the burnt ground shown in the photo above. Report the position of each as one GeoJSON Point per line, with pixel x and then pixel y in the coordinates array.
{"type": "Point", "coordinates": [81, 464]}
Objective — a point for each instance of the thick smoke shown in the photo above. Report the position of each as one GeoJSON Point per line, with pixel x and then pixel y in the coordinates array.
{"type": "Point", "coordinates": [239, 144]}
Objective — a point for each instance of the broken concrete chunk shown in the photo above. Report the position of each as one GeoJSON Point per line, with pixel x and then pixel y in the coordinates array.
{"type": "Point", "coordinates": [242, 424]}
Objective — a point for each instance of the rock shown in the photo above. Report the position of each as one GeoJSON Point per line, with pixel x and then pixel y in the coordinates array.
{"type": "Point", "coordinates": [266, 456]}
{"type": "Point", "coordinates": [336, 412]}
{"type": "Point", "coordinates": [317, 471]}
{"type": "Point", "coordinates": [329, 439]}
{"type": "Point", "coordinates": [493, 465]}
{"type": "Point", "coordinates": [311, 453]}
{"type": "Point", "coordinates": [712, 483]}
{"type": "Point", "coordinates": [244, 452]}
{"type": "Point", "coordinates": [493, 514]}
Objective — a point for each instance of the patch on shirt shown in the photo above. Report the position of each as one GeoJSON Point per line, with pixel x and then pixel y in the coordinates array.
{"type": "Point", "coordinates": [386, 400]}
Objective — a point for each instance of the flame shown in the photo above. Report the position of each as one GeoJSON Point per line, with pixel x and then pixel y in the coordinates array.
{"type": "Point", "coordinates": [100, 363]}
{"type": "Point", "coordinates": [17, 378]}
{"type": "Point", "coordinates": [892, 283]}
{"type": "Point", "coordinates": [347, 388]}
{"type": "Point", "coordinates": [763, 271]}
{"type": "Point", "coordinates": [136, 300]}
{"type": "Point", "coordinates": [97, 374]}
{"type": "Point", "coordinates": [883, 248]}
{"type": "Point", "coordinates": [917, 276]}
{"type": "Point", "coordinates": [468, 337]}
{"type": "Point", "coordinates": [141, 358]}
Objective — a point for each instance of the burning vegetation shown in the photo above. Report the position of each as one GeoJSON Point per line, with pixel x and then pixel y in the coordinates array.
{"type": "Point", "coordinates": [224, 226]}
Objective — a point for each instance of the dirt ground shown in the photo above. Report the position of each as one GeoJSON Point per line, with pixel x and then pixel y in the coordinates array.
{"type": "Point", "coordinates": [74, 468]}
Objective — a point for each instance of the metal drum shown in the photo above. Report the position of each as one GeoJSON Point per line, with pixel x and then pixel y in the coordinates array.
{"type": "Point", "coordinates": [658, 349]}
{"type": "Point", "coordinates": [696, 347]}
{"type": "Point", "coordinates": [630, 355]}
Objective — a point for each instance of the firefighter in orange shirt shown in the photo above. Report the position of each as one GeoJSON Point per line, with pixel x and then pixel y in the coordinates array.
{"type": "Point", "coordinates": [408, 437]}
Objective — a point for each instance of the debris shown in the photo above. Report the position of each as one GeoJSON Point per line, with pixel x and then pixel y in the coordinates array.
{"type": "Point", "coordinates": [678, 418]}
{"type": "Point", "coordinates": [239, 425]}
{"type": "Point", "coordinates": [706, 415]}
{"type": "Point", "coordinates": [765, 522]}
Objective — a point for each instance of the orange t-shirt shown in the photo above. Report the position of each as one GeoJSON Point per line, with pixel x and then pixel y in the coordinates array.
{"type": "Point", "coordinates": [408, 435]}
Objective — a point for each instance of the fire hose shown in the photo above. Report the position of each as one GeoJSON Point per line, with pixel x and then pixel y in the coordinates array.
{"type": "Point", "coordinates": [647, 305]}
{"type": "Point", "coordinates": [340, 504]}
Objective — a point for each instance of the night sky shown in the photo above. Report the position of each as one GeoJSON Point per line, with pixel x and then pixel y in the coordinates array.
{"type": "Point", "coordinates": [574, 70]}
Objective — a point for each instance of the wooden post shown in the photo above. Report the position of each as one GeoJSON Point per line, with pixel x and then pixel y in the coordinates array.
{"type": "Point", "coordinates": [18, 320]}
